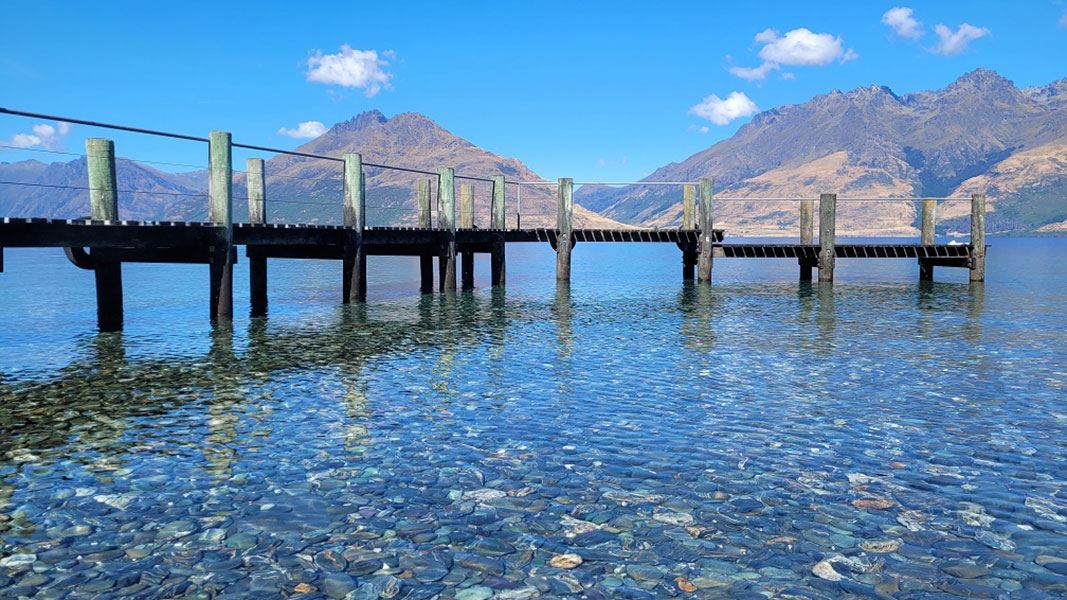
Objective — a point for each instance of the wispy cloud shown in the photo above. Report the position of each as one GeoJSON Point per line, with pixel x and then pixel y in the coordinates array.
{"type": "Point", "coordinates": [352, 68]}
{"type": "Point", "coordinates": [901, 20]}
{"type": "Point", "coordinates": [799, 47]}
{"type": "Point", "coordinates": [1063, 20]}
{"type": "Point", "coordinates": [305, 130]}
{"type": "Point", "coordinates": [721, 111]}
{"type": "Point", "coordinates": [954, 42]}
{"type": "Point", "coordinates": [43, 135]}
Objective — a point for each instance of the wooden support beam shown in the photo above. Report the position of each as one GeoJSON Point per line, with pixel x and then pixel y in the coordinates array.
{"type": "Point", "coordinates": [689, 208]}
{"type": "Point", "coordinates": [807, 234]}
{"type": "Point", "coordinates": [707, 231]}
{"type": "Point", "coordinates": [104, 206]}
{"type": "Point", "coordinates": [977, 237]}
{"type": "Point", "coordinates": [466, 221]}
{"type": "Point", "coordinates": [564, 221]}
{"type": "Point", "coordinates": [425, 222]}
{"type": "Point", "coordinates": [497, 258]}
{"type": "Point", "coordinates": [827, 235]}
{"type": "Point", "coordinates": [257, 214]}
{"type": "Point", "coordinates": [354, 263]}
{"type": "Point", "coordinates": [220, 205]}
{"type": "Point", "coordinates": [446, 199]}
{"type": "Point", "coordinates": [929, 220]}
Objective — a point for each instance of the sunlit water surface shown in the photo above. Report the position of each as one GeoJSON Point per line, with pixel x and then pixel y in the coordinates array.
{"type": "Point", "coordinates": [761, 438]}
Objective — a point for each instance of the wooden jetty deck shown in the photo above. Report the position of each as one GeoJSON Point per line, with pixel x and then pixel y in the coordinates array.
{"type": "Point", "coordinates": [103, 242]}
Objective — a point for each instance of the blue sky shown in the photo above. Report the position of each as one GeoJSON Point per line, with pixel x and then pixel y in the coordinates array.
{"type": "Point", "coordinates": [595, 91]}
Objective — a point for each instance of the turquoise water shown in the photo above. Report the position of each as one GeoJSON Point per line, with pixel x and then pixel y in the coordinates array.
{"type": "Point", "coordinates": [761, 438]}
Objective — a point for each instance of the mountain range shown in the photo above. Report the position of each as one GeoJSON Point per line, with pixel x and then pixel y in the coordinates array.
{"type": "Point", "coordinates": [979, 134]}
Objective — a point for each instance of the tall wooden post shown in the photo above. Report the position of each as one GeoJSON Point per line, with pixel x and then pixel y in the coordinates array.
{"type": "Point", "coordinates": [827, 234]}
{"type": "Point", "coordinates": [564, 220]}
{"type": "Point", "coordinates": [425, 260]}
{"type": "Point", "coordinates": [220, 212]}
{"type": "Point", "coordinates": [689, 209]}
{"type": "Point", "coordinates": [104, 206]}
{"type": "Point", "coordinates": [355, 211]}
{"type": "Point", "coordinates": [446, 199]}
{"type": "Point", "coordinates": [706, 247]}
{"type": "Point", "coordinates": [977, 237]}
{"type": "Point", "coordinates": [807, 235]}
{"type": "Point", "coordinates": [926, 237]}
{"type": "Point", "coordinates": [497, 258]}
{"type": "Point", "coordinates": [466, 221]}
{"type": "Point", "coordinates": [257, 215]}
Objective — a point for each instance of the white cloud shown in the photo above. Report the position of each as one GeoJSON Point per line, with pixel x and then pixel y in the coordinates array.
{"type": "Point", "coordinates": [305, 130]}
{"type": "Point", "coordinates": [901, 21]}
{"type": "Point", "coordinates": [954, 42]}
{"type": "Point", "coordinates": [44, 136]}
{"type": "Point", "coordinates": [363, 69]}
{"type": "Point", "coordinates": [799, 47]}
{"type": "Point", "coordinates": [721, 111]}
{"type": "Point", "coordinates": [1063, 20]}
{"type": "Point", "coordinates": [754, 73]}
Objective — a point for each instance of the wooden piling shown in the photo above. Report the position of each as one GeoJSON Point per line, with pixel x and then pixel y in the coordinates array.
{"type": "Point", "coordinates": [706, 247]}
{"type": "Point", "coordinates": [564, 222]}
{"type": "Point", "coordinates": [977, 237]}
{"type": "Point", "coordinates": [425, 220]}
{"type": "Point", "coordinates": [104, 206]}
{"type": "Point", "coordinates": [466, 221]}
{"type": "Point", "coordinates": [355, 218]}
{"type": "Point", "coordinates": [689, 209]}
{"type": "Point", "coordinates": [927, 237]}
{"type": "Point", "coordinates": [807, 235]}
{"type": "Point", "coordinates": [257, 214]}
{"type": "Point", "coordinates": [827, 234]}
{"type": "Point", "coordinates": [446, 198]}
{"type": "Point", "coordinates": [220, 212]}
{"type": "Point", "coordinates": [497, 258]}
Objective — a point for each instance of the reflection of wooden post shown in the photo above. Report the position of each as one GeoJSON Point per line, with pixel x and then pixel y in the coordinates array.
{"type": "Point", "coordinates": [220, 190]}
{"type": "Point", "coordinates": [355, 210]}
{"type": "Point", "coordinates": [807, 235]}
{"type": "Point", "coordinates": [564, 215]}
{"type": "Point", "coordinates": [257, 214]}
{"type": "Point", "coordinates": [466, 221]}
{"type": "Point", "coordinates": [978, 237]}
{"type": "Point", "coordinates": [446, 199]}
{"type": "Point", "coordinates": [425, 260]}
{"type": "Point", "coordinates": [104, 206]}
{"type": "Point", "coordinates": [707, 231]}
{"type": "Point", "coordinates": [926, 237]}
{"type": "Point", "coordinates": [827, 233]}
{"type": "Point", "coordinates": [497, 258]}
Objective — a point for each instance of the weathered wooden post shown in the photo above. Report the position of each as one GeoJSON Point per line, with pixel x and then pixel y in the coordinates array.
{"type": "Point", "coordinates": [355, 212]}
{"type": "Point", "coordinates": [827, 233]}
{"type": "Point", "coordinates": [466, 221]}
{"type": "Point", "coordinates": [926, 237]}
{"type": "Point", "coordinates": [977, 237]}
{"type": "Point", "coordinates": [706, 247]}
{"type": "Point", "coordinates": [689, 224]}
{"type": "Point", "coordinates": [564, 220]}
{"type": "Point", "coordinates": [807, 235]}
{"type": "Point", "coordinates": [104, 206]}
{"type": "Point", "coordinates": [425, 260]}
{"type": "Point", "coordinates": [497, 258]}
{"type": "Point", "coordinates": [257, 215]}
{"type": "Point", "coordinates": [220, 212]}
{"type": "Point", "coordinates": [446, 199]}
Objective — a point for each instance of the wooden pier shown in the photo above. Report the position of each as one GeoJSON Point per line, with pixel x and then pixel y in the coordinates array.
{"type": "Point", "coordinates": [105, 241]}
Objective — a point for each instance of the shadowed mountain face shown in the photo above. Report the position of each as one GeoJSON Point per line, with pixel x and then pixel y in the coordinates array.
{"type": "Point", "coordinates": [980, 133]}
{"type": "Point", "coordinates": [302, 189]}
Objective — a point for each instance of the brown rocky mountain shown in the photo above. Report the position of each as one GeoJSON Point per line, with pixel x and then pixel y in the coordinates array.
{"type": "Point", "coordinates": [980, 133]}
{"type": "Point", "coordinates": [300, 189]}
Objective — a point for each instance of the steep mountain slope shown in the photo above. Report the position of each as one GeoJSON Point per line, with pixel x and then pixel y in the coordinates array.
{"type": "Point", "coordinates": [978, 133]}
{"type": "Point", "coordinates": [303, 189]}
